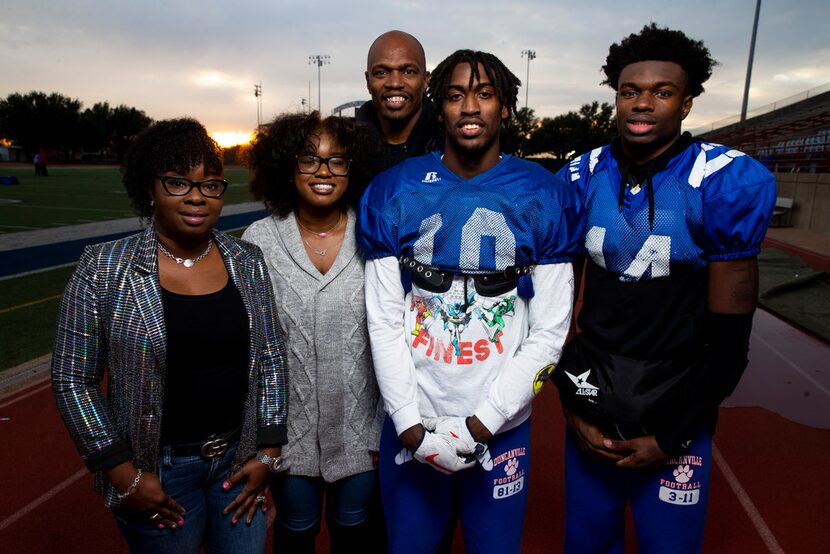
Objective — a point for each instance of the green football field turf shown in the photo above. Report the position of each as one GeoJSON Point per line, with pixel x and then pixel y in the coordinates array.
{"type": "Point", "coordinates": [28, 309]}
{"type": "Point", "coordinates": [73, 195]}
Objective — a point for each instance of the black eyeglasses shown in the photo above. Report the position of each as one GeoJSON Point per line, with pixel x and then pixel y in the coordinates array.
{"type": "Point", "coordinates": [338, 165]}
{"type": "Point", "coordinates": [181, 186]}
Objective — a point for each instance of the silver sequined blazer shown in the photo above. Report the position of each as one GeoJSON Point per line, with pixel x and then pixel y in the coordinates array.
{"type": "Point", "coordinates": [111, 320]}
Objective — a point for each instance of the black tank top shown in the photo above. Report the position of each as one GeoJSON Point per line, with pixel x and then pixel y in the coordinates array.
{"type": "Point", "coordinates": [207, 364]}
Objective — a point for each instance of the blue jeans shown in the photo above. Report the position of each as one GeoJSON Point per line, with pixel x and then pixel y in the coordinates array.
{"type": "Point", "coordinates": [299, 500]}
{"type": "Point", "coordinates": [196, 484]}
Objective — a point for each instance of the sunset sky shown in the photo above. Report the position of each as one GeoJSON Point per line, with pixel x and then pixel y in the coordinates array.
{"type": "Point", "coordinates": [201, 58]}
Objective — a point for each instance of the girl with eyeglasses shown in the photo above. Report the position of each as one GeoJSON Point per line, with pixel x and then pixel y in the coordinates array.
{"type": "Point", "coordinates": [182, 319]}
{"type": "Point", "coordinates": [310, 173]}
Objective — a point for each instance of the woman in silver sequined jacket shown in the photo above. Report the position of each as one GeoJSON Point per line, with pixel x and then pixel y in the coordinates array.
{"type": "Point", "coordinates": [112, 322]}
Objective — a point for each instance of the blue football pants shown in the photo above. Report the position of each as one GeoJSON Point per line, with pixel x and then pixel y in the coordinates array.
{"type": "Point", "coordinates": [420, 502]}
{"type": "Point", "coordinates": [669, 504]}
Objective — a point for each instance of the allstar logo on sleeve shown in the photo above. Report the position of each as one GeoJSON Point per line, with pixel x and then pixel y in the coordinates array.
{"type": "Point", "coordinates": [583, 387]}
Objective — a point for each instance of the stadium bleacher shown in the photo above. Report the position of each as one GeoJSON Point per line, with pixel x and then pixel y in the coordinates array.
{"type": "Point", "coordinates": [793, 138]}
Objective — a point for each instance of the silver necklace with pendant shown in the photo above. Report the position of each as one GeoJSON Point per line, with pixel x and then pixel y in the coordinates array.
{"type": "Point", "coordinates": [187, 262]}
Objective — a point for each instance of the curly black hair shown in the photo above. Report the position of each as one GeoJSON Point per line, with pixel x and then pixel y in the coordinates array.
{"type": "Point", "coordinates": [171, 145]}
{"type": "Point", "coordinates": [273, 157]}
{"type": "Point", "coordinates": [660, 44]}
{"type": "Point", "coordinates": [504, 81]}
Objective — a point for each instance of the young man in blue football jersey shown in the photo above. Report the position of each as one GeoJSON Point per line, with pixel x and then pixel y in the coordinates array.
{"type": "Point", "coordinates": [673, 229]}
{"type": "Point", "coordinates": [468, 291]}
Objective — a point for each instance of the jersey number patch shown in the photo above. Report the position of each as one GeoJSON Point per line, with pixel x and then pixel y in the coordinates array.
{"type": "Point", "coordinates": [486, 240]}
{"type": "Point", "coordinates": [654, 254]}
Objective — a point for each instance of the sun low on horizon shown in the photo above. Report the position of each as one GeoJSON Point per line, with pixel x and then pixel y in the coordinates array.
{"type": "Point", "coordinates": [227, 139]}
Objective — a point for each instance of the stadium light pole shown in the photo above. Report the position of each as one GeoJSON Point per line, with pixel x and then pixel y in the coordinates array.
{"type": "Point", "coordinates": [319, 60]}
{"type": "Point", "coordinates": [530, 55]}
{"type": "Point", "coordinates": [258, 94]}
{"type": "Point", "coordinates": [749, 64]}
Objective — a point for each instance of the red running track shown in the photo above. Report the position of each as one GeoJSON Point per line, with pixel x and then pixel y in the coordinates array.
{"type": "Point", "coordinates": [770, 487]}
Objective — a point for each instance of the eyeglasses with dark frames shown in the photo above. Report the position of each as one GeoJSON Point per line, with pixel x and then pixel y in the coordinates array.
{"type": "Point", "coordinates": [309, 163]}
{"type": "Point", "coordinates": [181, 186]}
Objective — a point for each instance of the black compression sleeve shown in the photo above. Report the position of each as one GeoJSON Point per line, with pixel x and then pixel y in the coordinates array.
{"type": "Point", "coordinates": [727, 338]}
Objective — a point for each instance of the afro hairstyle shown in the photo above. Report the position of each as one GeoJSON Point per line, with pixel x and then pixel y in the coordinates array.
{"type": "Point", "coordinates": [653, 43]}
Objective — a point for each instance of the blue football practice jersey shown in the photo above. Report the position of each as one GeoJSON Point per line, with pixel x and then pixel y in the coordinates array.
{"type": "Point", "coordinates": [646, 287]}
{"type": "Point", "coordinates": [515, 214]}
{"type": "Point", "coordinates": [712, 203]}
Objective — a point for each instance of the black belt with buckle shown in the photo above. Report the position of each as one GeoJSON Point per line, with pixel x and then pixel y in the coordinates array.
{"type": "Point", "coordinates": [208, 449]}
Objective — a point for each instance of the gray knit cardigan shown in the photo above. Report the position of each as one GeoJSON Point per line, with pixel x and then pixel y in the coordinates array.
{"type": "Point", "coordinates": [334, 409]}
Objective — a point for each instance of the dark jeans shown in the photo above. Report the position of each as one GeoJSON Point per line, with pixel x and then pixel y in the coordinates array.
{"type": "Point", "coordinates": [350, 513]}
{"type": "Point", "coordinates": [196, 484]}
{"type": "Point", "coordinates": [299, 500]}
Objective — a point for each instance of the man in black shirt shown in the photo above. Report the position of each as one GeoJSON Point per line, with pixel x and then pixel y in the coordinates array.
{"type": "Point", "coordinates": [396, 77]}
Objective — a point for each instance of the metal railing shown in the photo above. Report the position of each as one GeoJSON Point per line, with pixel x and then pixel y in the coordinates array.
{"type": "Point", "coordinates": [731, 120]}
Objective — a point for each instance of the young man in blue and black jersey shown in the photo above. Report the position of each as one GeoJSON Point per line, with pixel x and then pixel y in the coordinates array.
{"type": "Point", "coordinates": [674, 226]}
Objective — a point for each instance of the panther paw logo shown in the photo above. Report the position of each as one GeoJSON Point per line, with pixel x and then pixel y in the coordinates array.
{"type": "Point", "coordinates": [683, 474]}
{"type": "Point", "coordinates": [511, 466]}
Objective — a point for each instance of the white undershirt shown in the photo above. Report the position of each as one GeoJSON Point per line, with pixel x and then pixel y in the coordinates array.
{"type": "Point", "coordinates": [473, 373]}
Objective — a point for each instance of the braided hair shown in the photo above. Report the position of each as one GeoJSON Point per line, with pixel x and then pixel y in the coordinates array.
{"type": "Point", "coordinates": [653, 43]}
{"type": "Point", "coordinates": [503, 80]}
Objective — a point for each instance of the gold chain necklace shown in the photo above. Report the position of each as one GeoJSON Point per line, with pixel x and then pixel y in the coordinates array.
{"type": "Point", "coordinates": [322, 235]}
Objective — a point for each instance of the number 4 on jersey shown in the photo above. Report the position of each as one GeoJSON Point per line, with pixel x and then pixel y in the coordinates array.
{"type": "Point", "coordinates": [654, 254]}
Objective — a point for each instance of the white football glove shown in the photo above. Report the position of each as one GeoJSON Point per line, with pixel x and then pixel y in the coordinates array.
{"type": "Point", "coordinates": [466, 446]}
{"type": "Point", "coordinates": [439, 451]}
{"type": "Point", "coordinates": [456, 429]}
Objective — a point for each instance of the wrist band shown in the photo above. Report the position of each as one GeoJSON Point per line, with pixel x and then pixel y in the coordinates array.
{"type": "Point", "coordinates": [131, 489]}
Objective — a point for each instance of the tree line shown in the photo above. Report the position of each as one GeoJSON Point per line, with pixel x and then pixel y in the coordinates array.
{"type": "Point", "coordinates": [563, 136]}
{"type": "Point", "coordinates": [57, 123]}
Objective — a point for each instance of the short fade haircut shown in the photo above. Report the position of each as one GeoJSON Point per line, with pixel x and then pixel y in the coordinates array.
{"type": "Point", "coordinates": [504, 81]}
{"type": "Point", "coordinates": [653, 43]}
{"type": "Point", "coordinates": [273, 157]}
{"type": "Point", "coordinates": [171, 145]}
{"type": "Point", "coordinates": [419, 48]}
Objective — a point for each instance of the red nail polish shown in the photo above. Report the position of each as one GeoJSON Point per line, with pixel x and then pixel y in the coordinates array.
{"type": "Point", "coordinates": [264, 509]}
{"type": "Point", "coordinates": [225, 485]}
{"type": "Point", "coordinates": [181, 522]}
{"type": "Point", "coordinates": [234, 520]}
{"type": "Point", "coordinates": [161, 526]}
